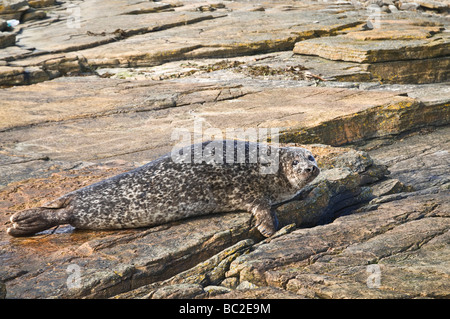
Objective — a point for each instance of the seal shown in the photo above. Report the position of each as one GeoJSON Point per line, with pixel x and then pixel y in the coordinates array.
{"type": "Point", "coordinates": [200, 179]}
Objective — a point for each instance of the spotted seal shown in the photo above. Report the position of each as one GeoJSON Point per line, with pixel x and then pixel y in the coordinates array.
{"type": "Point", "coordinates": [199, 179]}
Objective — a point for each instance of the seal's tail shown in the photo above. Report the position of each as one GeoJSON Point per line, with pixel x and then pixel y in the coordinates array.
{"type": "Point", "coordinates": [31, 221]}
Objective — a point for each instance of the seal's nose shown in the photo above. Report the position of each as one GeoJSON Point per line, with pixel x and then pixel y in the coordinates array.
{"type": "Point", "coordinates": [312, 169]}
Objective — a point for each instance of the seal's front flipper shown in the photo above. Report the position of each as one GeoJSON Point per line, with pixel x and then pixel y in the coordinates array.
{"type": "Point", "coordinates": [31, 221]}
{"type": "Point", "coordinates": [266, 220]}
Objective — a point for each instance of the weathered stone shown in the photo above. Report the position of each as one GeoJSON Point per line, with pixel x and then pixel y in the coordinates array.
{"type": "Point", "coordinates": [33, 15]}
{"type": "Point", "coordinates": [204, 274]}
{"type": "Point", "coordinates": [384, 121]}
{"type": "Point", "coordinates": [11, 75]}
{"type": "Point", "coordinates": [11, 53]}
{"type": "Point", "coordinates": [230, 282]}
{"type": "Point", "coordinates": [13, 9]}
{"type": "Point", "coordinates": [40, 3]}
{"type": "Point", "coordinates": [281, 66]}
{"type": "Point", "coordinates": [325, 263]}
{"type": "Point", "coordinates": [7, 39]}
{"type": "Point", "coordinates": [204, 40]}
{"type": "Point", "coordinates": [179, 291]}
{"type": "Point", "coordinates": [348, 49]}
{"type": "Point", "coordinates": [406, 159]}
{"type": "Point", "coordinates": [99, 28]}
{"type": "Point", "coordinates": [416, 71]}
{"type": "Point", "coordinates": [112, 35]}
{"type": "Point", "coordinates": [216, 290]}
{"type": "Point", "coordinates": [393, 8]}
{"type": "Point", "coordinates": [3, 24]}
{"type": "Point", "coordinates": [390, 186]}
{"type": "Point", "coordinates": [398, 51]}
{"type": "Point", "coordinates": [103, 262]}
{"type": "Point", "coordinates": [441, 6]}
{"type": "Point", "coordinates": [259, 293]}
{"type": "Point", "coordinates": [2, 290]}
{"type": "Point", "coordinates": [409, 6]}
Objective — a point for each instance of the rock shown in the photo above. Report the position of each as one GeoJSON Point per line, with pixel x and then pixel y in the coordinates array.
{"type": "Point", "coordinates": [309, 262]}
{"type": "Point", "coordinates": [13, 9]}
{"type": "Point", "coordinates": [259, 293]}
{"type": "Point", "coordinates": [40, 3]}
{"type": "Point", "coordinates": [181, 291]}
{"type": "Point", "coordinates": [440, 6]}
{"type": "Point", "coordinates": [216, 290]}
{"type": "Point", "coordinates": [393, 8]}
{"type": "Point", "coordinates": [244, 285]}
{"type": "Point", "coordinates": [406, 159]}
{"type": "Point", "coordinates": [11, 75]}
{"type": "Point", "coordinates": [204, 40]}
{"type": "Point", "coordinates": [33, 15]}
{"type": "Point", "coordinates": [230, 282]}
{"type": "Point", "coordinates": [409, 47]}
{"type": "Point", "coordinates": [385, 9]}
{"type": "Point", "coordinates": [2, 290]}
{"type": "Point", "coordinates": [132, 20]}
{"type": "Point", "coordinates": [7, 39]}
{"type": "Point", "coordinates": [3, 25]}
{"type": "Point", "coordinates": [119, 35]}
{"type": "Point", "coordinates": [409, 6]}
{"type": "Point", "coordinates": [347, 49]}
{"type": "Point", "coordinates": [206, 274]}
{"type": "Point", "coordinates": [390, 186]}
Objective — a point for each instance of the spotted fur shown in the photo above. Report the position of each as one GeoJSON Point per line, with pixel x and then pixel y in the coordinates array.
{"type": "Point", "coordinates": [181, 185]}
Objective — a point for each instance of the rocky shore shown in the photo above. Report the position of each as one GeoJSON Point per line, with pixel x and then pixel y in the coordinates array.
{"type": "Point", "coordinates": [90, 89]}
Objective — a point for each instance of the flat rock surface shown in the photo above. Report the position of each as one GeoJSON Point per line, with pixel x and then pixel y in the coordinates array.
{"type": "Point", "coordinates": [116, 115]}
{"type": "Point", "coordinates": [391, 42]}
{"type": "Point", "coordinates": [91, 89]}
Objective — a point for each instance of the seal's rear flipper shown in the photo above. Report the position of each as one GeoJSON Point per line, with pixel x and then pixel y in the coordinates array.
{"type": "Point", "coordinates": [31, 221]}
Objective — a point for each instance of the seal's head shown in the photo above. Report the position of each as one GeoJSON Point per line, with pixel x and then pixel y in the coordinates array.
{"type": "Point", "coordinates": [299, 166]}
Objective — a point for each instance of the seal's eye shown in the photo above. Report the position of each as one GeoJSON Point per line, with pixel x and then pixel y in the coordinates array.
{"type": "Point", "coordinates": [311, 158]}
{"type": "Point", "coordinates": [294, 163]}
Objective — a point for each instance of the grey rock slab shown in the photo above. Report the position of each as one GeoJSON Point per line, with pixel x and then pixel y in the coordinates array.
{"type": "Point", "coordinates": [331, 261]}
{"type": "Point", "coordinates": [420, 161]}
{"type": "Point", "coordinates": [7, 39]}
